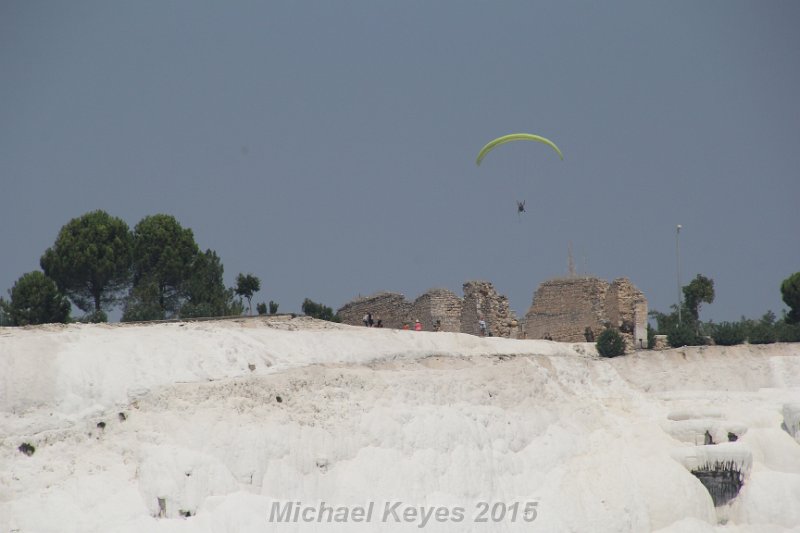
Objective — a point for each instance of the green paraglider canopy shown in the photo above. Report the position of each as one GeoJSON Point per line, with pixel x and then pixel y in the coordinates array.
{"type": "Point", "coordinates": [491, 145]}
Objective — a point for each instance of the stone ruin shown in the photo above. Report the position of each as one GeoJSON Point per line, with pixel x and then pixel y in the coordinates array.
{"type": "Point", "coordinates": [482, 301]}
{"type": "Point", "coordinates": [452, 313]}
{"type": "Point", "coordinates": [391, 308]}
{"type": "Point", "coordinates": [574, 309]}
{"type": "Point", "coordinates": [578, 309]}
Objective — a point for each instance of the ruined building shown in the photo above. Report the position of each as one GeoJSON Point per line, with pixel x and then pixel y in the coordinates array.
{"type": "Point", "coordinates": [574, 309]}
{"type": "Point", "coordinates": [482, 301]}
{"type": "Point", "coordinates": [438, 306]}
{"type": "Point", "coordinates": [578, 309]}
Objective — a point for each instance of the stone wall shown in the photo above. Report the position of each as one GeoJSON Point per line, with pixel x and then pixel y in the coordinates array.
{"type": "Point", "coordinates": [563, 309]}
{"type": "Point", "coordinates": [579, 309]}
{"type": "Point", "coordinates": [390, 307]}
{"type": "Point", "coordinates": [627, 311]}
{"type": "Point", "coordinates": [453, 313]}
{"type": "Point", "coordinates": [481, 301]}
{"type": "Point", "coordinates": [438, 305]}
{"type": "Point", "coordinates": [566, 309]}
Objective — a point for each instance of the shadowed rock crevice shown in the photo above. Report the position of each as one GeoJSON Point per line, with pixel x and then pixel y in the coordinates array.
{"type": "Point", "coordinates": [722, 481]}
{"type": "Point", "coordinates": [721, 468]}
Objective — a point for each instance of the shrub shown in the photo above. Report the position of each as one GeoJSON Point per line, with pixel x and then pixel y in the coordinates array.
{"type": "Point", "coordinates": [785, 332]}
{"type": "Point", "coordinates": [610, 343]}
{"type": "Point", "coordinates": [728, 334]}
{"type": "Point", "coordinates": [319, 311]}
{"type": "Point", "coordinates": [95, 317]}
{"type": "Point", "coordinates": [273, 307]}
{"type": "Point", "coordinates": [761, 333]}
{"type": "Point", "coordinates": [683, 335]}
{"type": "Point", "coordinates": [261, 308]}
{"type": "Point", "coordinates": [35, 299]}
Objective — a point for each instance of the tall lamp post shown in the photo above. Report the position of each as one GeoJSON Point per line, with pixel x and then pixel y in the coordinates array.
{"type": "Point", "coordinates": [678, 267]}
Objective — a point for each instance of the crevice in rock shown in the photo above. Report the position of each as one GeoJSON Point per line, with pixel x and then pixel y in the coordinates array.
{"type": "Point", "coordinates": [722, 480]}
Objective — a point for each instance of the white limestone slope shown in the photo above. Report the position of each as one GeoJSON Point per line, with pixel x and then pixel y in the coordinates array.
{"type": "Point", "coordinates": [219, 420]}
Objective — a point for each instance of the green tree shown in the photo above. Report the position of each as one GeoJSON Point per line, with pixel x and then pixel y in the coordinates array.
{"type": "Point", "coordinates": [316, 310]}
{"type": "Point", "coordinates": [5, 315]}
{"type": "Point", "coordinates": [90, 260]}
{"type": "Point", "coordinates": [273, 307]}
{"type": "Point", "coordinates": [790, 291]}
{"type": "Point", "coordinates": [164, 254]}
{"type": "Point", "coordinates": [35, 299]}
{"type": "Point", "coordinates": [786, 332]}
{"type": "Point", "coordinates": [664, 322]}
{"type": "Point", "coordinates": [699, 290]}
{"type": "Point", "coordinates": [142, 303]}
{"type": "Point", "coordinates": [610, 343]}
{"type": "Point", "coordinates": [761, 333]}
{"type": "Point", "coordinates": [204, 291]}
{"type": "Point", "coordinates": [246, 286]}
{"type": "Point", "coordinates": [769, 318]}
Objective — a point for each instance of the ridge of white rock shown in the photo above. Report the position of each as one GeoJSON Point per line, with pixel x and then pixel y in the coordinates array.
{"type": "Point", "coordinates": [204, 426]}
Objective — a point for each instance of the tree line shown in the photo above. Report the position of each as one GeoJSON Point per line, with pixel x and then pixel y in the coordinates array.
{"type": "Point", "coordinates": [154, 272]}
{"type": "Point", "coordinates": [157, 271]}
{"type": "Point", "coordinates": [683, 326]}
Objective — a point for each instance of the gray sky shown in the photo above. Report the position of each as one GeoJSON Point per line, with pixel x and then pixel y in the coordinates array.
{"type": "Point", "coordinates": [329, 147]}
